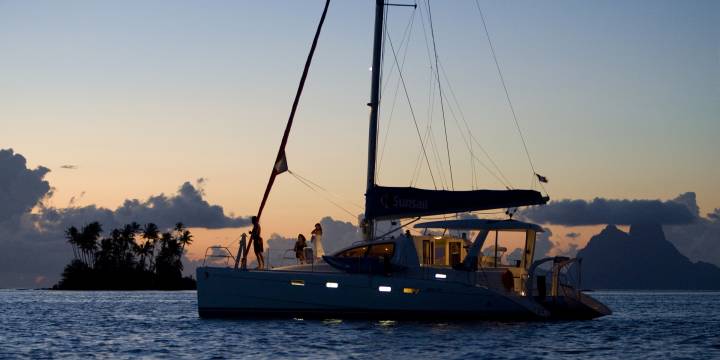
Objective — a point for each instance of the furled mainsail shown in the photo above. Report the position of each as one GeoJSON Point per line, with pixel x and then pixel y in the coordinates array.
{"type": "Point", "coordinates": [401, 202]}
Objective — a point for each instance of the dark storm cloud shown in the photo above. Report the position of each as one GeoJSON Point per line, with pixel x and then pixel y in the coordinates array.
{"type": "Point", "coordinates": [20, 188]}
{"type": "Point", "coordinates": [614, 211]}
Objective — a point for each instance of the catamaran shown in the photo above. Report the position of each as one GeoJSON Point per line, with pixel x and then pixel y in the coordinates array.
{"type": "Point", "coordinates": [440, 274]}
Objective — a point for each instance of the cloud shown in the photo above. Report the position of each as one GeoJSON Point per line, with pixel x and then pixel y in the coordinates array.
{"type": "Point", "coordinates": [700, 241]}
{"type": "Point", "coordinates": [715, 215]}
{"type": "Point", "coordinates": [69, 167]}
{"type": "Point", "coordinates": [187, 206]}
{"type": "Point", "coordinates": [21, 188]}
{"type": "Point", "coordinates": [602, 211]}
{"type": "Point", "coordinates": [572, 235]}
{"type": "Point", "coordinates": [33, 250]}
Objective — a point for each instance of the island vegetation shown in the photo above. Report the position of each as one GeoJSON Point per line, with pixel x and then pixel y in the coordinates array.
{"type": "Point", "coordinates": [132, 257]}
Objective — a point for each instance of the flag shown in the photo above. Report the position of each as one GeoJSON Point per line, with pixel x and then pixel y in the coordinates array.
{"type": "Point", "coordinates": [541, 178]}
{"type": "Point", "coordinates": [281, 165]}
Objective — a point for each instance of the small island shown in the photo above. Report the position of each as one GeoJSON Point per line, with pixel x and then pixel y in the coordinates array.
{"type": "Point", "coordinates": [132, 257]}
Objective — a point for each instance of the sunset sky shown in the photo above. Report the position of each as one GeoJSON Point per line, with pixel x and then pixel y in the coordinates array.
{"type": "Point", "coordinates": [616, 99]}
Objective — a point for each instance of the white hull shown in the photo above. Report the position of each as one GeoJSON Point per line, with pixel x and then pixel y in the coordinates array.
{"type": "Point", "coordinates": [228, 292]}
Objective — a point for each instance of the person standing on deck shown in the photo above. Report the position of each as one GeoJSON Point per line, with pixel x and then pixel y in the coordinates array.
{"type": "Point", "coordinates": [316, 241]}
{"type": "Point", "coordinates": [299, 249]}
{"type": "Point", "coordinates": [257, 242]}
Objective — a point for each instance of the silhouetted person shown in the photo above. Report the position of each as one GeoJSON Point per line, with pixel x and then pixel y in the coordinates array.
{"type": "Point", "coordinates": [257, 242]}
{"type": "Point", "coordinates": [316, 241]}
{"type": "Point", "coordinates": [241, 250]}
{"type": "Point", "coordinates": [300, 246]}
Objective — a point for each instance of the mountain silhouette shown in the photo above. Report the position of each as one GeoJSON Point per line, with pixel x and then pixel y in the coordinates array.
{"type": "Point", "coordinates": [642, 259]}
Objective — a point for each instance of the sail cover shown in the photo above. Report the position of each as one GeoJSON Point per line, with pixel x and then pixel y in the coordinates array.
{"type": "Point", "coordinates": [398, 202]}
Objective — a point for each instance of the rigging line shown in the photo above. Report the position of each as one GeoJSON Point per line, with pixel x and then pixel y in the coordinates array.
{"type": "Point", "coordinates": [429, 138]}
{"type": "Point", "coordinates": [418, 163]}
{"type": "Point", "coordinates": [352, 216]}
{"type": "Point", "coordinates": [467, 126]}
{"type": "Point", "coordinates": [416, 173]}
{"type": "Point", "coordinates": [325, 190]}
{"type": "Point", "coordinates": [431, 108]}
{"type": "Point", "coordinates": [404, 42]}
{"type": "Point", "coordinates": [468, 144]}
{"type": "Point", "coordinates": [502, 80]}
{"type": "Point", "coordinates": [431, 104]}
{"type": "Point", "coordinates": [405, 37]}
{"type": "Point", "coordinates": [438, 158]}
{"type": "Point", "coordinates": [442, 106]}
{"type": "Point", "coordinates": [412, 112]}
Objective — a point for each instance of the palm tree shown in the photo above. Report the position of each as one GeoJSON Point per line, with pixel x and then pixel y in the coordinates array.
{"type": "Point", "coordinates": [151, 234]}
{"type": "Point", "coordinates": [144, 250]}
{"type": "Point", "coordinates": [89, 240]}
{"type": "Point", "coordinates": [73, 237]}
{"type": "Point", "coordinates": [179, 227]}
{"type": "Point", "coordinates": [184, 239]}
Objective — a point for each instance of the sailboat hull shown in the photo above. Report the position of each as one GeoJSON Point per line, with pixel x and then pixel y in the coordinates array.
{"type": "Point", "coordinates": [224, 292]}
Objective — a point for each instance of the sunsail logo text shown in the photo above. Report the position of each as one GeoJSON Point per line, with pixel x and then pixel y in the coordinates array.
{"type": "Point", "coordinates": [409, 203]}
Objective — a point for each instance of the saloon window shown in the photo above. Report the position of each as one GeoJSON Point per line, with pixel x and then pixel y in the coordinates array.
{"type": "Point", "coordinates": [355, 252]}
{"type": "Point", "coordinates": [382, 250]}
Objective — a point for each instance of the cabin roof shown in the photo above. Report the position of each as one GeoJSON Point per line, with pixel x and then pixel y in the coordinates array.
{"type": "Point", "coordinates": [479, 224]}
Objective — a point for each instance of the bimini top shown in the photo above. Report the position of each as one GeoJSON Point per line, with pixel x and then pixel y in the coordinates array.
{"type": "Point", "coordinates": [480, 224]}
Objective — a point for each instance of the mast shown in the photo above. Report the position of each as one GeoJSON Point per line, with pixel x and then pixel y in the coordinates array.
{"type": "Point", "coordinates": [374, 107]}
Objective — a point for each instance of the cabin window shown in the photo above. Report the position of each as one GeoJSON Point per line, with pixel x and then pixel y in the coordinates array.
{"type": "Point", "coordinates": [382, 250]}
{"type": "Point", "coordinates": [410, 291]}
{"type": "Point", "coordinates": [297, 282]}
{"type": "Point", "coordinates": [503, 249]}
{"type": "Point", "coordinates": [439, 255]}
{"type": "Point", "coordinates": [356, 252]}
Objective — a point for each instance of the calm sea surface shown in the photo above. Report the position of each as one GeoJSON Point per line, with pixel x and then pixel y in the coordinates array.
{"type": "Point", "coordinates": [57, 324]}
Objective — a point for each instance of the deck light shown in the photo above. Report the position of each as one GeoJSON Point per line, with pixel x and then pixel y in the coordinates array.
{"type": "Point", "coordinates": [410, 291]}
{"type": "Point", "coordinates": [297, 282]}
{"type": "Point", "coordinates": [440, 276]}
{"type": "Point", "coordinates": [385, 289]}
{"type": "Point", "coordinates": [332, 285]}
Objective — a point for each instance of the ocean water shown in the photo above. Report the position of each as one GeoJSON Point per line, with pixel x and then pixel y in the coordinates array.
{"type": "Point", "coordinates": [56, 324]}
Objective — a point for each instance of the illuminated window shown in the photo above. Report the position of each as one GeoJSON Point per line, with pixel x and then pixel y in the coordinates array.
{"type": "Point", "coordinates": [297, 282]}
{"type": "Point", "coordinates": [410, 291]}
{"type": "Point", "coordinates": [332, 285]}
{"type": "Point", "coordinates": [382, 250]}
{"type": "Point", "coordinates": [356, 252]}
{"type": "Point", "coordinates": [385, 289]}
{"type": "Point", "coordinates": [440, 276]}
